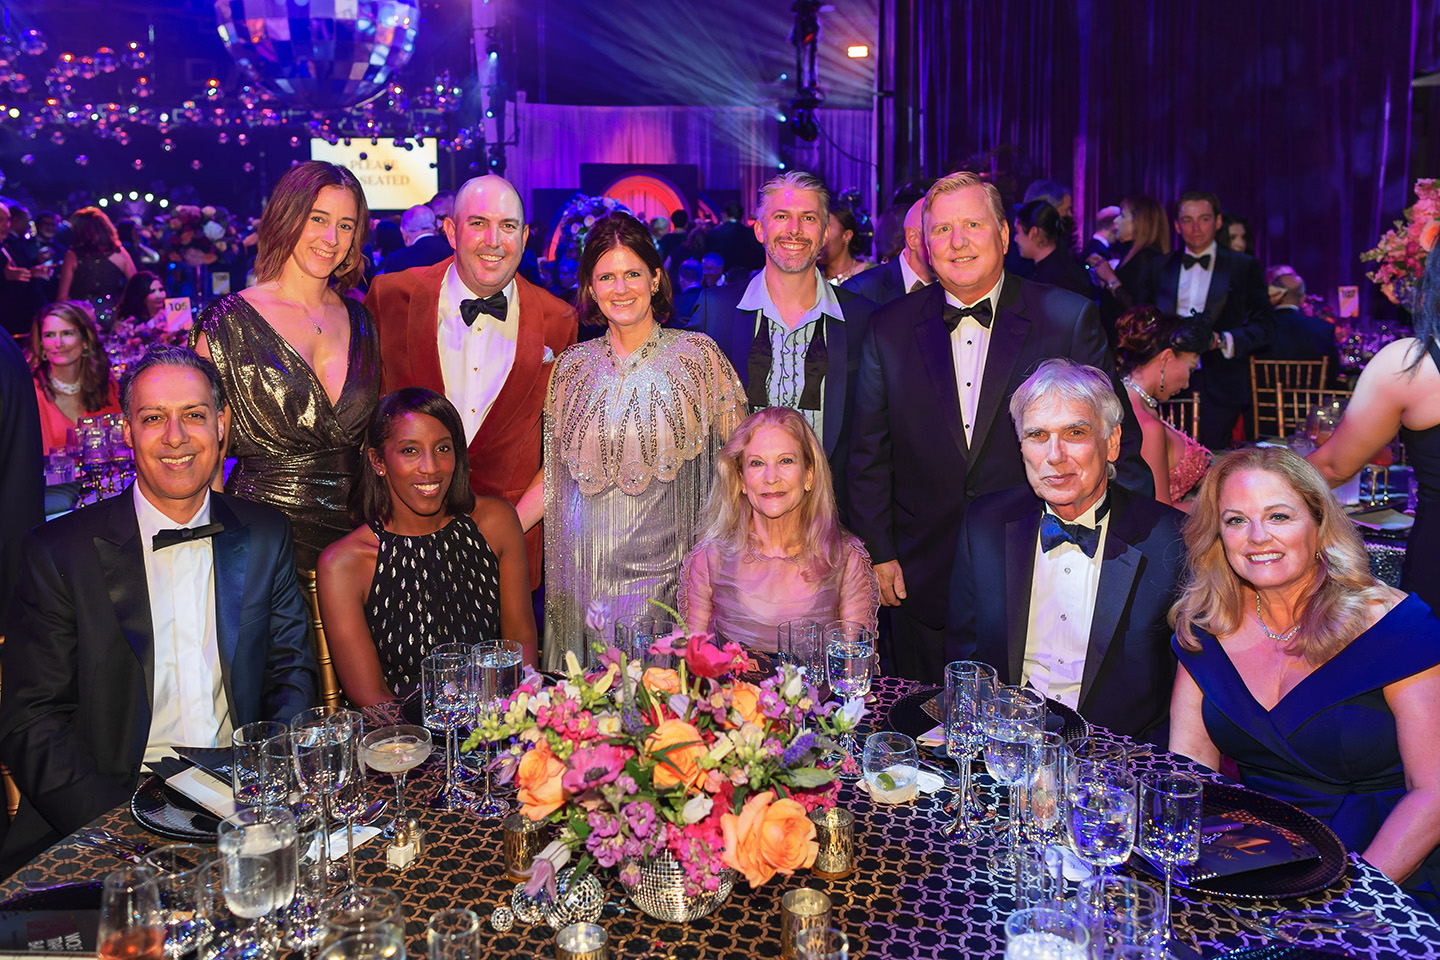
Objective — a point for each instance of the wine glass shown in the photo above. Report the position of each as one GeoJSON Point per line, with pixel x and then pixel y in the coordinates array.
{"type": "Point", "coordinates": [1044, 933]}
{"type": "Point", "coordinates": [260, 853]}
{"type": "Point", "coordinates": [260, 766]}
{"type": "Point", "coordinates": [447, 687]}
{"type": "Point", "coordinates": [366, 910]}
{"type": "Point", "coordinates": [968, 684]}
{"type": "Point", "coordinates": [177, 867]}
{"type": "Point", "coordinates": [1011, 718]}
{"type": "Point", "coordinates": [848, 664]}
{"type": "Point", "coordinates": [453, 935]}
{"type": "Point", "coordinates": [891, 767]}
{"type": "Point", "coordinates": [1100, 798]}
{"type": "Point", "coordinates": [496, 666]}
{"type": "Point", "coordinates": [371, 945]}
{"type": "Point", "coordinates": [396, 750]}
{"type": "Point", "coordinates": [131, 926]}
{"type": "Point", "coordinates": [349, 799]}
{"type": "Point", "coordinates": [1123, 915]}
{"type": "Point", "coordinates": [322, 742]}
{"type": "Point", "coordinates": [1170, 812]}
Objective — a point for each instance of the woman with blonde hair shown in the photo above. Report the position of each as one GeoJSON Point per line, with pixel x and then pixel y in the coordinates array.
{"type": "Point", "coordinates": [71, 370]}
{"type": "Point", "coordinates": [1322, 683]}
{"type": "Point", "coordinates": [773, 548]}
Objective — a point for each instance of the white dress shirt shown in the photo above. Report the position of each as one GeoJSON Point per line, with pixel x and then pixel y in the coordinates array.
{"type": "Point", "coordinates": [909, 277]}
{"type": "Point", "coordinates": [188, 704]}
{"type": "Point", "coordinates": [1062, 604]}
{"type": "Point", "coordinates": [1195, 283]}
{"type": "Point", "coordinates": [476, 360]}
{"type": "Point", "coordinates": [969, 345]}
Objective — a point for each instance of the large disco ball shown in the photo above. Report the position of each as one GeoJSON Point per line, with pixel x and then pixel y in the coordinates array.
{"type": "Point", "coordinates": [320, 55]}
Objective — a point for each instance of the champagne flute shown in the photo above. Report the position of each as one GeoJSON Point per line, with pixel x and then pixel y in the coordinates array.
{"type": "Point", "coordinates": [1100, 798]}
{"type": "Point", "coordinates": [396, 750]}
{"type": "Point", "coordinates": [447, 687]}
{"type": "Point", "coordinates": [1170, 812]}
{"type": "Point", "coordinates": [350, 799]}
{"type": "Point", "coordinates": [260, 852]}
{"type": "Point", "coordinates": [968, 684]}
{"type": "Point", "coordinates": [322, 741]}
{"type": "Point", "coordinates": [496, 666]}
{"type": "Point", "coordinates": [1011, 719]}
{"type": "Point", "coordinates": [131, 927]}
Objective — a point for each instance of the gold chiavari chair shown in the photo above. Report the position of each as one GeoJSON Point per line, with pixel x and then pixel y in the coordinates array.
{"type": "Point", "coordinates": [1296, 403]}
{"type": "Point", "coordinates": [330, 694]}
{"type": "Point", "coordinates": [1182, 413]}
{"type": "Point", "coordinates": [1267, 376]}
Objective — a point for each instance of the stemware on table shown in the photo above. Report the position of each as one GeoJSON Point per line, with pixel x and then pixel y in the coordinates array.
{"type": "Point", "coordinates": [260, 768]}
{"type": "Point", "coordinates": [798, 643]}
{"type": "Point", "coordinates": [131, 924]}
{"type": "Point", "coordinates": [260, 855]}
{"type": "Point", "coordinates": [1171, 806]}
{"type": "Point", "coordinates": [1123, 916]}
{"type": "Point", "coordinates": [448, 689]}
{"type": "Point", "coordinates": [850, 662]}
{"type": "Point", "coordinates": [323, 744]}
{"type": "Point", "coordinates": [1100, 810]}
{"type": "Point", "coordinates": [496, 674]}
{"type": "Point", "coordinates": [1011, 718]}
{"type": "Point", "coordinates": [968, 684]}
{"type": "Point", "coordinates": [635, 635]}
{"type": "Point", "coordinates": [453, 935]}
{"type": "Point", "coordinates": [349, 800]}
{"type": "Point", "coordinates": [177, 868]}
{"type": "Point", "coordinates": [396, 750]}
{"type": "Point", "coordinates": [891, 766]}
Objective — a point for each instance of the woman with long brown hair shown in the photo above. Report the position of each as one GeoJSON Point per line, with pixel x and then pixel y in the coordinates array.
{"type": "Point", "coordinates": [299, 358]}
{"type": "Point", "coordinates": [96, 266]}
{"type": "Point", "coordinates": [1141, 224]}
{"type": "Point", "coordinates": [71, 371]}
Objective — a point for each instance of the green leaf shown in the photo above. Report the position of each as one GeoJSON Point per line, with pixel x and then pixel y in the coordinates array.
{"type": "Point", "coordinates": [806, 778]}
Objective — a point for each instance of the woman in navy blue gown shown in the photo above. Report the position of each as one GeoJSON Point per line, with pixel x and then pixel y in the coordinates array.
{"type": "Point", "coordinates": [1320, 682]}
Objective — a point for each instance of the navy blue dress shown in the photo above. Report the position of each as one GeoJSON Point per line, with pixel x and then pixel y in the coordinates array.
{"type": "Point", "coordinates": [1329, 746]}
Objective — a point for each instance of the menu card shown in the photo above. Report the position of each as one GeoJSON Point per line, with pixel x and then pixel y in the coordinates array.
{"type": "Point", "coordinates": [1239, 842]}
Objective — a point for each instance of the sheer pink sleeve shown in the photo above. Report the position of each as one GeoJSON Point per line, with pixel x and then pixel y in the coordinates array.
{"type": "Point", "coordinates": [859, 588]}
{"type": "Point", "coordinates": [697, 592]}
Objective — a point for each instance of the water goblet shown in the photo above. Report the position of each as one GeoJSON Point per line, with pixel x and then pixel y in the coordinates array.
{"type": "Point", "coordinates": [1010, 718]}
{"type": "Point", "coordinates": [260, 767]}
{"type": "Point", "coordinates": [1100, 804]}
{"type": "Point", "coordinates": [260, 853]}
{"type": "Point", "coordinates": [968, 684]}
{"type": "Point", "coordinates": [131, 924]}
{"type": "Point", "coordinates": [453, 935]}
{"type": "Point", "coordinates": [1170, 812]}
{"type": "Point", "coordinates": [448, 689]}
{"type": "Point", "coordinates": [496, 666]}
{"type": "Point", "coordinates": [396, 750]}
{"type": "Point", "coordinates": [177, 868]}
{"type": "Point", "coordinates": [892, 767]}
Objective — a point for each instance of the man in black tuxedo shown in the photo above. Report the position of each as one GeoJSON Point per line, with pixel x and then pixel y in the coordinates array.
{"type": "Point", "coordinates": [165, 616]}
{"type": "Point", "coordinates": [1064, 583]}
{"type": "Point", "coordinates": [738, 247]}
{"type": "Point", "coordinates": [423, 246]}
{"type": "Point", "coordinates": [1297, 335]}
{"type": "Point", "coordinates": [793, 338]}
{"type": "Point", "coordinates": [907, 272]}
{"type": "Point", "coordinates": [936, 370]}
{"type": "Point", "coordinates": [1229, 288]}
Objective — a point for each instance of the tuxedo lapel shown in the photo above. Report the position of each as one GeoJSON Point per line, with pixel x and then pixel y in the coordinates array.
{"type": "Point", "coordinates": [932, 342]}
{"type": "Point", "coordinates": [1168, 294]}
{"type": "Point", "coordinates": [122, 562]}
{"type": "Point", "coordinates": [1119, 568]}
{"type": "Point", "coordinates": [1219, 290]}
{"type": "Point", "coordinates": [1021, 542]}
{"type": "Point", "coordinates": [422, 328]}
{"type": "Point", "coordinates": [838, 350]}
{"type": "Point", "coordinates": [231, 552]}
{"type": "Point", "coordinates": [529, 353]}
{"type": "Point", "coordinates": [1007, 340]}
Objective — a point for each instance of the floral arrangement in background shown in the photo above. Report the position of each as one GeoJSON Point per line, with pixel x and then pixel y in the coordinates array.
{"type": "Point", "coordinates": [1401, 252]}
{"type": "Point", "coordinates": [634, 762]}
{"type": "Point", "coordinates": [576, 220]}
{"type": "Point", "coordinates": [198, 236]}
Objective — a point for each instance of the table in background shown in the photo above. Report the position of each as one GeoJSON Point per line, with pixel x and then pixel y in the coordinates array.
{"type": "Point", "coordinates": [915, 893]}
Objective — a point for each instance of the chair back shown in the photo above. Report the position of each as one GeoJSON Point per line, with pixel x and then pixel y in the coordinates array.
{"type": "Point", "coordinates": [7, 782]}
{"type": "Point", "coordinates": [1182, 413]}
{"type": "Point", "coordinates": [1296, 403]}
{"type": "Point", "coordinates": [1266, 376]}
{"type": "Point", "coordinates": [330, 694]}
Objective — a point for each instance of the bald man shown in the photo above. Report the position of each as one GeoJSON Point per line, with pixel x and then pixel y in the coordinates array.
{"type": "Point", "coordinates": [469, 328]}
{"type": "Point", "coordinates": [423, 246]}
{"type": "Point", "coordinates": [906, 273]}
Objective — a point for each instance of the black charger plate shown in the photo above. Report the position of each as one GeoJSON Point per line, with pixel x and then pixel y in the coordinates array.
{"type": "Point", "coordinates": [168, 813]}
{"type": "Point", "coordinates": [909, 716]}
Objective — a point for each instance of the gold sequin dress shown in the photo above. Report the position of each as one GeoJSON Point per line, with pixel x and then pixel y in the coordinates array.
{"type": "Point", "coordinates": [630, 447]}
{"type": "Point", "coordinates": [294, 450]}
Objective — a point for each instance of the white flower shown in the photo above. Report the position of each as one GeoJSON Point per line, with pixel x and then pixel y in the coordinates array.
{"type": "Point", "coordinates": [849, 713]}
{"type": "Point", "coordinates": [794, 683]}
{"type": "Point", "coordinates": [696, 809]}
{"type": "Point", "coordinates": [213, 230]}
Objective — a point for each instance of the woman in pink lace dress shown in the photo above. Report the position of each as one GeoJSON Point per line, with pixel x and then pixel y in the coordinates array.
{"type": "Point", "coordinates": [773, 548]}
{"type": "Point", "coordinates": [1155, 355]}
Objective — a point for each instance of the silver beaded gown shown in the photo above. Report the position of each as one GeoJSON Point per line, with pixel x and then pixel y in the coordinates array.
{"type": "Point", "coordinates": [630, 446]}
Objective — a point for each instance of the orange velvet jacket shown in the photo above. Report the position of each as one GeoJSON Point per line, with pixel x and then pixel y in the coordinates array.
{"type": "Point", "coordinates": [505, 453]}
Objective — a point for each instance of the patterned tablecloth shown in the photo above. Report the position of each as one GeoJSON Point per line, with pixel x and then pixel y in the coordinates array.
{"type": "Point", "coordinates": [915, 894]}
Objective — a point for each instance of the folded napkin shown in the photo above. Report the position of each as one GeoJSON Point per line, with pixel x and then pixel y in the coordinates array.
{"type": "Point", "coordinates": [926, 782]}
{"type": "Point", "coordinates": [934, 737]}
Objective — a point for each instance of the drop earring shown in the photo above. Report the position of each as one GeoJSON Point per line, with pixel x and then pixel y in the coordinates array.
{"type": "Point", "coordinates": [1160, 394]}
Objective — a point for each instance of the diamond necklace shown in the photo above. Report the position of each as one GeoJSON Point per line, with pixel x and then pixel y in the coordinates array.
{"type": "Point", "coordinates": [1154, 405]}
{"type": "Point", "coordinates": [1281, 637]}
{"type": "Point", "coordinates": [59, 386]}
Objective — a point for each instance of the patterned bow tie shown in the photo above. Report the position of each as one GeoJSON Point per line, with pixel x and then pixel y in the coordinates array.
{"type": "Point", "coordinates": [492, 306]}
{"type": "Point", "coordinates": [1187, 261]}
{"type": "Point", "coordinates": [168, 538]}
{"type": "Point", "coordinates": [981, 312]}
{"type": "Point", "coordinates": [1054, 532]}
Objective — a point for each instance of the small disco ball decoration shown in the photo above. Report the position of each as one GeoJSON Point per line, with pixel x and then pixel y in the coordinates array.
{"type": "Point", "coordinates": [167, 145]}
{"type": "Point", "coordinates": [574, 902]}
{"type": "Point", "coordinates": [502, 919]}
{"type": "Point", "coordinates": [248, 167]}
{"type": "Point", "coordinates": [19, 83]}
{"type": "Point", "coordinates": [8, 50]}
{"type": "Point", "coordinates": [57, 138]}
{"type": "Point", "coordinates": [32, 43]}
{"type": "Point", "coordinates": [134, 57]}
{"type": "Point", "coordinates": [28, 159]}
{"type": "Point", "coordinates": [312, 56]}
{"type": "Point", "coordinates": [138, 164]}
{"type": "Point", "coordinates": [526, 907]}
{"type": "Point", "coordinates": [105, 60]}
{"type": "Point", "coordinates": [195, 164]}
{"type": "Point", "coordinates": [223, 138]}
{"type": "Point", "coordinates": [82, 159]}
{"type": "Point", "coordinates": [294, 141]}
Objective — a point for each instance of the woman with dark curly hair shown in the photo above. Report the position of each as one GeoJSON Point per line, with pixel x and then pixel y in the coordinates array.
{"type": "Point", "coordinates": [72, 373]}
{"type": "Point", "coordinates": [299, 358]}
{"type": "Point", "coordinates": [96, 266]}
{"type": "Point", "coordinates": [1039, 235]}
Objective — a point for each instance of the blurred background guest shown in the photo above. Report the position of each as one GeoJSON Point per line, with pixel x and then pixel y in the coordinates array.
{"type": "Point", "coordinates": [907, 271]}
{"type": "Point", "coordinates": [1142, 230]}
{"type": "Point", "coordinates": [423, 244]}
{"type": "Point", "coordinates": [1037, 234]}
{"type": "Point", "coordinates": [633, 423]}
{"type": "Point", "coordinates": [840, 260]}
{"type": "Point", "coordinates": [70, 370]}
{"type": "Point", "coordinates": [712, 270]}
{"type": "Point", "coordinates": [1399, 390]}
{"type": "Point", "coordinates": [736, 244]}
{"type": "Point", "coordinates": [1298, 336]}
{"type": "Point", "coordinates": [1237, 234]}
{"type": "Point", "coordinates": [22, 471]}
{"type": "Point", "coordinates": [773, 548]}
{"type": "Point", "coordinates": [687, 293]}
{"type": "Point", "coordinates": [1156, 354]}
{"type": "Point", "coordinates": [667, 245]}
{"type": "Point", "coordinates": [21, 276]}
{"type": "Point", "coordinates": [430, 562]}
{"type": "Point", "coordinates": [141, 307]}
{"type": "Point", "coordinates": [299, 359]}
{"type": "Point", "coordinates": [1322, 683]}
{"type": "Point", "coordinates": [1103, 241]}
{"type": "Point", "coordinates": [96, 266]}
{"type": "Point", "coordinates": [133, 242]}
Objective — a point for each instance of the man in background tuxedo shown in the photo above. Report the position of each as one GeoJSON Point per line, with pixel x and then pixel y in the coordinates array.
{"type": "Point", "coordinates": [1229, 288]}
{"type": "Point", "coordinates": [471, 329]}
{"type": "Point", "coordinates": [737, 246]}
{"type": "Point", "coordinates": [168, 615]}
{"type": "Point", "coordinates": [935, 373]}
{"type": "Point", "coordinates": [1298, 336]}
{"type": "Point", "coordinates": [1064, 583]}
{"type": "Point", "coordinates": [423, 246]}
{"type": "Point", "coordinates": [906, 272]}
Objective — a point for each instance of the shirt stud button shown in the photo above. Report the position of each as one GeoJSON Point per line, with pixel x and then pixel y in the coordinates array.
{"type": "Point", "coordinates": [1064, 617]}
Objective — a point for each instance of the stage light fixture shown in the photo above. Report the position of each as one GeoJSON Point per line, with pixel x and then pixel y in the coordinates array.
{"type": "Point", "coordinates": [802, 116]}
{"type": "Point", "coordinates": [134, 195]}
{"type": "Point", "coordinates": [149, 198]}
{"type": "Point", "coordinates": [104, 201]}
{"type": "Point", "coordinates": [164, 203]}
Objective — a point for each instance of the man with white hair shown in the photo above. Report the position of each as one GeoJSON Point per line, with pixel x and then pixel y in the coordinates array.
{"type": "Point", "coordinates": [1064, 583]}
{"type": "Point", "coordinates": [423, 246]}
{"type": "Point", "coordinates": [907, 272]}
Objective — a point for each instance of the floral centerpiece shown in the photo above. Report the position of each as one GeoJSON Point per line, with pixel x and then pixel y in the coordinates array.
{"type": "Point", "coordinates": [1402, 251]}
{"type": "Point", "coordinates": [635, 764]}
{"type": "Point", "coordinates": [198, 236]}
{"type": "Point", "coordinates": [576, 220]}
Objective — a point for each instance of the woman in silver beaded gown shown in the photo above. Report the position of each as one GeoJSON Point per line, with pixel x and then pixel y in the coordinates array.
{"type": "Point", "coordinates": [633, 422]}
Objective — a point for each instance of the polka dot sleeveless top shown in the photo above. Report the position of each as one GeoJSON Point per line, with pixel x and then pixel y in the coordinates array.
{"type": "Point", "coordinates": [443, 587]}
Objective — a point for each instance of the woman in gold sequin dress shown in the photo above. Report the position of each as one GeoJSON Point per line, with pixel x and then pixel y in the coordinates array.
{"type": "Point", "coordinates": [300, 360]}
{"type": "Point", "coordinates": [633, 423]}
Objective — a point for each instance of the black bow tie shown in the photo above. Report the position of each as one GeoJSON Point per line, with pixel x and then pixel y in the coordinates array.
{"type": "Point", "coordinates": [491, 306]}
{"type": "Point", "coordinates": [168, 538]}
{"type": "Point", "coordinates": [981, 312]}
{"type": "Point", "coordinates": [1187, 261]}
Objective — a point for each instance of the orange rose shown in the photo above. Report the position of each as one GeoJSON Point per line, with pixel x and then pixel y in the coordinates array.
{"type": "Point", "coordinates": [678, 764]}
{"type": "Point", "coordinates": [540, 793]}
{"type": "Point", "coordinates": [768, 836]}
{"type": "Point", "coordinates": [1429, 235]}
{"type": "Point", "coordinates": [745, 697]}
{"type": "Point", "coordinates": [661, 682]}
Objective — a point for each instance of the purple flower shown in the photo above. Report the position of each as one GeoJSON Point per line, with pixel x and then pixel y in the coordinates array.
{"type": "Point", "coordinates": [798, 748]}
{"type": "Point", "coordinates": [641, 818]}
{"type": "Point", "coordinates": [630, 874]}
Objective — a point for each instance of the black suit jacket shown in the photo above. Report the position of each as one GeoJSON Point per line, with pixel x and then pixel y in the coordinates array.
{"type": "Point", "coordinates": [1129, 666]}
{"type": "Point", "coordinates": [1237, 302]}
{"type": "Point", "coordinates": [22, 471]}
{"type": "Point", "coordinates": [79, 658]}
{"type": "Point", "coordinates": [422, 253]}
{"type": "Point", "coordinates": [1300, 337]}
{"type": "Point", "coordinates": [1060, 270]}
{"type": "Point", "coordinates": [911, 471]}
{"type": "Point", "coordinates": [880, 285]}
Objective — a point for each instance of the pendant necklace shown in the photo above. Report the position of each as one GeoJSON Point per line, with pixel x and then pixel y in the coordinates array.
{"type": "Point", "coordinates": [301, 307]}
{"type": "Point", "coordinates": [1281, 637]}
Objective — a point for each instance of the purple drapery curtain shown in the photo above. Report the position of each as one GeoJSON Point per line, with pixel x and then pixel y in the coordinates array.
{"type": "Point", "coordinates": [1296, 112]}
